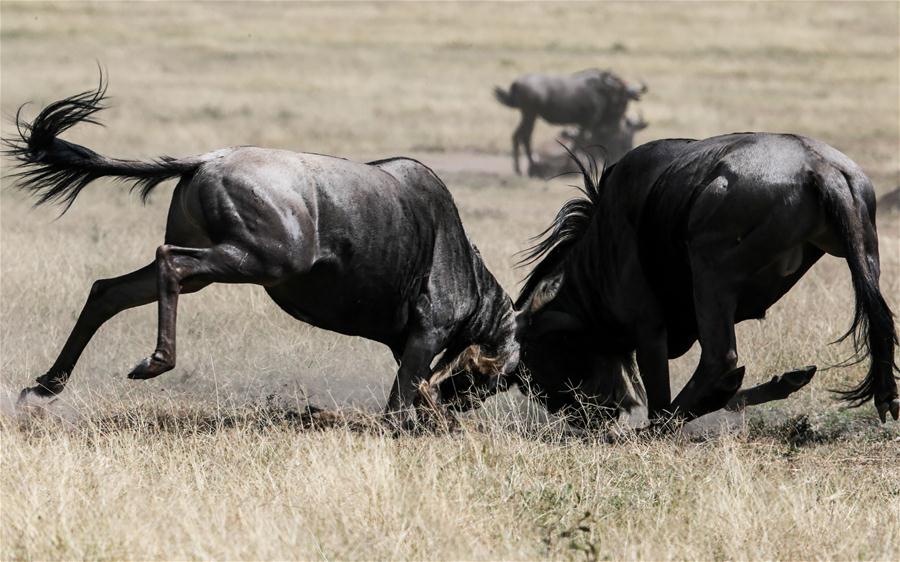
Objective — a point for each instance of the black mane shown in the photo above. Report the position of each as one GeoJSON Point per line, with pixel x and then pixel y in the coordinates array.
{"type": "Point", "coordinates": [553, 244]}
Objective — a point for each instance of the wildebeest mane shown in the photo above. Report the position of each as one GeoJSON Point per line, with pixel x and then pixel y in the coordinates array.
{"type": "Point", "coordinates": [553, 244]}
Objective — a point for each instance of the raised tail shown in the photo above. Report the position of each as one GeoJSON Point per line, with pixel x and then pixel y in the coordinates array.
{"type": "Point", "coordinates": [848, 200]}
{"type": "Point", "coordinates": [55, 171]}
{"type": "Point", "coordinates": [504, 97]}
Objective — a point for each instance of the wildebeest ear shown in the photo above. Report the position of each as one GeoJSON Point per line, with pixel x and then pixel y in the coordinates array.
{"type": "Point", "coordinates": [544, 292]}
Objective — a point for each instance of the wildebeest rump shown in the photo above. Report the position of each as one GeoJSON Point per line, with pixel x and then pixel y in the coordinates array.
{"type": "Point", "coordinates": [676, 243]}
{"type": "Point", "coordinates": [374, 250]}
{"type": "Point", "coordinates": [591, 99]}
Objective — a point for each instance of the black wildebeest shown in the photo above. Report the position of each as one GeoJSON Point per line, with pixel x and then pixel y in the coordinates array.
{"type": "Point", "coordinates": [589, 99]}
{"type": "Point", "coordinates": [374, 250]}
{"type": "Point", "coordinates": [676, 243]}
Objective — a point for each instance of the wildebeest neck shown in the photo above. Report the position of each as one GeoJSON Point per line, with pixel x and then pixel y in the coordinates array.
{"type": "Point", "coordinates": [493, 319]}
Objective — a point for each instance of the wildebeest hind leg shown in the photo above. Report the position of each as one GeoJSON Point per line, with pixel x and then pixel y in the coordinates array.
{"type": "Point", "coordinates": [107, 298]}
{"type": "Point", "coordinates": [515, 152]}
{"type": "Point", "coordinates": [522, 135]}
{"type": "Point", "coordinates": [527, 128]}
{"type": "Point", "coordinates": [190, 269]}
{"type": "Point", "coordinates": [779, 388]}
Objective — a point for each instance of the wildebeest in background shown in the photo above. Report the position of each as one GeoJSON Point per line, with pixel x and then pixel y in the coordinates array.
{"type": "Point", "coordinates": [890, 202]}
{"type": "Point", "coordinates": [589, 99]}
{"type": "Point", "coordinates": [374, 250]}
{"type": "Point", "coordinates": [676, 243]}
{"type": "Point", "coordinates": [607, 145]}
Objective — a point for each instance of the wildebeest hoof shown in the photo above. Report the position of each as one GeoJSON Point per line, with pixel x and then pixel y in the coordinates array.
{"type": "Point", "coordinates": [731, 382]}
{"type": "Point", "coordinates": [790, 382]}
{"type": "Point", "coordinates": [799, 378]}
{"type": "Point", "coordinates": [34, 397]}
{"type": "Point", "coordinates": [402, 420]}
{"type": "Point", "coordinates": [888, 405]}
{"type": "Point", "coordinates": [662, 424]}
{"type": "Point", "coordinates": [150, 367]}
{"type": "Point", "coordinates": [48, 385]}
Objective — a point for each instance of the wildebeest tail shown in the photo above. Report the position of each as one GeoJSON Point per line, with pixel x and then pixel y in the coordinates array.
{"type": "Point", "coordinates": [55, 170]}
{"type": "Point", "coordinates": [848, 203]}
{"type": "Point", "coordinates": [504, 97]}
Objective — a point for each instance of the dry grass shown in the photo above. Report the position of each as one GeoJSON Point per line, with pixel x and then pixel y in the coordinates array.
{"type": "Point", "coordinates": [260, 491]}
{"type": "Point", "coordinates": [201, 464]}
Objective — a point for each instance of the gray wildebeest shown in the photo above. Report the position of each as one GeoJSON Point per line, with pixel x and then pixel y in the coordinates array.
{"type": "Point", "coordinates": [374, 250]}
{"type": "Point", "coordinates": [676, 243]}
{"type": "Point", "coordinates": [607, 145]}
{"type": "Point", "coordinates": [589, 99]}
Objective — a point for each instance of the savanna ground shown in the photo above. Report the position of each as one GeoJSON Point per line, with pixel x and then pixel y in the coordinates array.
{"type": "Point", "coordinates": [209, 461]}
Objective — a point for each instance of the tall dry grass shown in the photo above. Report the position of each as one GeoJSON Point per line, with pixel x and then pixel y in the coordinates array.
{"type": "Point", "coordinates": [172, 481]}
{"type": "Point", "coordinates": [202, 463]}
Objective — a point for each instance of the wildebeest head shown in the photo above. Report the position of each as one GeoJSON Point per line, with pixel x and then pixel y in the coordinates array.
{"type": "Point", "coordinates": [464, 380]}
{"type": "Point", "coordinates": [474, 376]}
{"type": "Point", "coordinates": [573, 369]}
{"type": "Point", "coordinates": [572, 364]}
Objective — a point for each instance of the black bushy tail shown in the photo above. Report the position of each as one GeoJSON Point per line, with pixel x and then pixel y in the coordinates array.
{"type": "Point", "coordinates": [54, 170]}
{"type": "Point", "coordinates": [504, 97]}
{"type": "Point", "coordinates": [873, 332]}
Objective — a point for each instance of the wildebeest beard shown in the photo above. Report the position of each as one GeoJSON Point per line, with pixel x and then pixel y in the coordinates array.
{"type": "Point", "coordinates": [462, 381]}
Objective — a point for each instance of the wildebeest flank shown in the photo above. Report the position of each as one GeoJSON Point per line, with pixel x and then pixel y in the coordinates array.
{"type": "Point", "coordinates": [676, 243]}
{"type": "Point", "coordinates": [374, 250]}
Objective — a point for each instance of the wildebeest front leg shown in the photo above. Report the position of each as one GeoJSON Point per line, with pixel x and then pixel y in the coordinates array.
{"type": "Point", "coordinates": [414, 368]}
{"type": "Point", "coordinates": [107, 298]}
{"type": "Point", "coordinates": [190, 269]}
{"type": "Point", "coordinates": [423, 343]}
{"type": "Point", "coordinates": [717, 377]}
{"type": "Point", "coordinates": [653, 364]}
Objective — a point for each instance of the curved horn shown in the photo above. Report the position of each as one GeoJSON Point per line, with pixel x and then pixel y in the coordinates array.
{"type": "Point", "coordinates": [635, 92]}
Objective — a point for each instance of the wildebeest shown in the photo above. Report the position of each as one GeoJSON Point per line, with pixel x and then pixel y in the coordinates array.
{"type": "Point", "coordinates": [676, 243]}
{"type": "Point", "coordinates": [374, 250]}
{"type": "Point", "coordinates": [589, 99]}
{"type": "Point", "coordinates": [890, 201]}
{"type": "Point", "coordinates": [606, 146]}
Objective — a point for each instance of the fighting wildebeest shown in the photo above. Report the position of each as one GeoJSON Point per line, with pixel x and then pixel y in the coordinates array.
{"type": "Point", "coordinates": [676, 243]}
{"type": "Point", "coordinates": [607, 145]}
{"type": "Point", "coordinates": [589, 99]}
{"type": "Point", "coordinates": [374, 250]}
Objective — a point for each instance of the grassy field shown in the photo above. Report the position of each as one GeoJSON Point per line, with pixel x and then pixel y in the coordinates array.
{"type": "Point", "coordinates": [210, 461]}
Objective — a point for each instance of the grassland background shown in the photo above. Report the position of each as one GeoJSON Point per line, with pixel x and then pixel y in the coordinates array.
{"type": "Point", "coordinates": [196, 466]}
